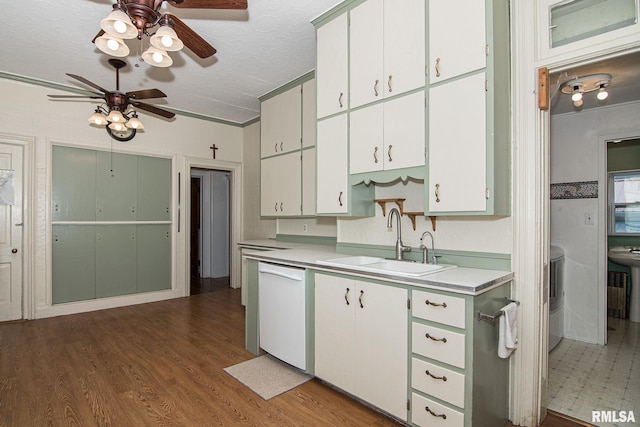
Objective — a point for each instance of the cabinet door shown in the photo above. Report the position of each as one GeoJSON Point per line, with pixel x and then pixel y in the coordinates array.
{"type": "Point", "coordinates": [404, 133]}
{"type": "Point", "coordinates": [290, 184]}
{"type": "Point", "coordinates": [366, 53]}
{"type": "Point", "coordinates": [331, 152]}
{"type": "Point", "coordinates": [154, 189]}
{"type": "Point", "coordinates": [457, 146]}
{"type": "Point", "coordinates": [457, 38]}
{"type": "Point", "coordinates": [309, 181]}
{"type": "Point", "coordinates": [153, 253]}
{"type": "Point", "coordinates": [381, 346]}
{"type": "Point", "coordinates": [309, 113]}
{"type": "Point", "coordinates": [269, 186]}
{"type": "Point", "coordinates": [115, 260]}
{"type": "Point", "coordinates": [73, 263]}
{"type": "Point", "coordinates": [116, 187]}
{"type": "Point", "coordinates": [335, 302]}
{"type": "Point", "coordinates": [366, 143]}
{"type": "Point", "coordinates": [331, 67]}
{"type": "Point", "coordinates": [281, 121]}
{"type": "Point", "coordinates": [404, 46]}
{"type": "Point", "coordinates": [73, 177]}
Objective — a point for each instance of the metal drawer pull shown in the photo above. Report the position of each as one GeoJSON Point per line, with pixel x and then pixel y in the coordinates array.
{"type": "Point", "coordinates": [389, 83]}
{"type": "Point", "coordinates": [375, 87]}
{"type": "Point", "coordinates": [443, 340]}
{"type": "Point", "coordinates": [437, 67]}
{"type": "Point", "coordinates": [276, 147]}
{"type": "Point", "coordinates": [340, 99]}
{"type": "Point", "coordinates": [281, 149]}
{"type": "Point", "coordinates": [360, 299]}
{"type": "Point", "coordinates": [437, 193]}
{"type": "Point", "coordinates": [346, 297]}
{"type": "Point", "coordinates": [340, 198]}
{"type": "Point", "coordinates": [280, 206]}
{"type": "Point", "coordinates": [276, 206]}
{"type": "Point", "coordinates": [443, 378]}
{"type": "Point", "coordinates": [435, 304]}
{"type": "Point", "coordinates": [389, 153]}
{"type": "Point", "coordinates": [375, 155]}
{"type": "Point", "coordinates": [443, 416]}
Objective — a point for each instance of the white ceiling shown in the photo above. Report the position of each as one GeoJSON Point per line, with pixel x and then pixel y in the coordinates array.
{"type": "Point", "coordinates": [259, 49]}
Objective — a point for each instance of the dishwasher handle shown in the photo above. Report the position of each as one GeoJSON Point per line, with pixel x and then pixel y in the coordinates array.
{"type": "Point", "coordinates": [280, 273]}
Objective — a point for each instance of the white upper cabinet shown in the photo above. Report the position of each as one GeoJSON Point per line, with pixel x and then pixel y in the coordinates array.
{"type": "Point", "coordinates": [280, 125]}
{"type": "Point", "coordinates": [457, 38]}
{"type": "Point", "coordinates": [331, 160]}
{"type": "Point", "coordinates": [281, 185]}
{"type": "Point", "coordinates": [387, 49]}
{"type": "Point", "coordinates": [309, 113]}
{"type": "Point", "coordinates": [332, 65]}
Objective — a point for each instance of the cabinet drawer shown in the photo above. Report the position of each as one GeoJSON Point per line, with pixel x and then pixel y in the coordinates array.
{"type": "Point", "coordinates": [445, 309]}
{"type": "Point", "coordinates": [436, 343]}
{"type": "Point", "coordinates": [425, 412]}
{"type": "Point", "coordinates": [437, 381]}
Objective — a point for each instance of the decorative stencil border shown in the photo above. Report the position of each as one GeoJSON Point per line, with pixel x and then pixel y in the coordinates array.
{"type": "Point", "coordinates": [575, 190]}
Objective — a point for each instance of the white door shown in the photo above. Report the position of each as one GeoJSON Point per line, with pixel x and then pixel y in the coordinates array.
{"type": "Point", "coordinates": [10, 232]}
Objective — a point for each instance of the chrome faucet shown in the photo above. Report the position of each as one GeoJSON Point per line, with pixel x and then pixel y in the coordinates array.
{"type": "Point", "coordinates": [400, 248]}
{"type": "Point", "coordinates": [425, 251]}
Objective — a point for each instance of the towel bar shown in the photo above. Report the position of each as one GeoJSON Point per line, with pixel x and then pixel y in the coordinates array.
{"type": "Point", "coordinates": [483, 316]}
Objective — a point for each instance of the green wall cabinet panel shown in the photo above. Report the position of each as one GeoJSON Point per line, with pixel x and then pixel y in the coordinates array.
{"type": "Point", "coordinates": [115, 260]}
{"type": "Point", "coordinates": [74, 263]}
{"type": "Point", "coordinates": [153, 257]}
{"type": "Point", "coordinates": [154, 189]}
{"type": "Point", "coordinates": [74, 184]}
{"type": "Point", "coordinates": [116, 187]}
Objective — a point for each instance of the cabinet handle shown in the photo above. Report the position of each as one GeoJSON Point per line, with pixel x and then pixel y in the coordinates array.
{"type": "Point", "coordinates": [340, 99]}
{"type": "Point", "coordinates": [437, 67]}
{"type": "Point", "coordinates": [375, 155]}
{"type": "Point", "coordinates": [276, 147]}
{"type": "Point", "coordinates": [443, 416]}
{"type": "Point", "coordinates": [443, 378]}
{"type": "Point", "coordinates": [389, 153]}
{"type": "Point", "coordinates": [280, 206]}
{"type": "Point", "coordinates": [443, 340]}
{"type": "Point", "coordinates": [437, 193]}
{"type": "Point", "coordinates": [375, 87]}
{"type": "Point", "coordinates": [435, 304]}
{"type": "Point", "coordinates": [346, 297]}
{"type": "Point", "coordinates": [389, 83]}
{"type": "Point", "coordinates": [340, 198]}
{"type": "Point", "coordinates": [276, 207]}
{"type": "Point", "coordinates": [360, 298]}
{"type": "Point", "coordinates": [281, 149]}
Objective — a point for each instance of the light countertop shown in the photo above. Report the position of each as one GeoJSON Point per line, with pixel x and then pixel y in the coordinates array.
{"type": "Point", "coordinates": [463, 280]}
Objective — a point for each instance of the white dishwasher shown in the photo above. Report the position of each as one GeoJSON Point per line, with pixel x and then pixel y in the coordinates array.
{"type": "Point", "coordinates": [281, 307]}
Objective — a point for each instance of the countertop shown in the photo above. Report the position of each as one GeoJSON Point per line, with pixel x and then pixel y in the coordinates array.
{"type": "Point", "coordinates": [463, 280]}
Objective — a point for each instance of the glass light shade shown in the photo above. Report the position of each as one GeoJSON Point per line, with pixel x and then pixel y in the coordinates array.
{"type": "Point", "coordinates": [166, 39]}
{"type": "Point", "coordinates": [157, 57]}
{"type": "Point", "coordinates": [135, 123]}
{"type": "Point", "coordinates": [115, 116]}
{"type": "Point", "coordinates": [118, 126]}
{"type": "Point", "coordinates": [578, 103]}
{"type": "Point", "coordinates": [98, 119]}
{"type": "Point", "coordinates": [111, 45]}
{"type": "Point", "coordinates": [118, 24]}
{"type": "Point", "coordinates": [602, 94]}
{"type": "Point", "coordinates": [577, 95]}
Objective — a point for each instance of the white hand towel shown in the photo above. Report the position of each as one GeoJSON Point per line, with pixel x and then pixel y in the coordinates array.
{"type": "Point", "coordinates": [508, 330]}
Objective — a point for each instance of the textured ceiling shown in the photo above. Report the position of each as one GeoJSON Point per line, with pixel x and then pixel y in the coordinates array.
{"type": "Point", "coordinates": [259, 49]}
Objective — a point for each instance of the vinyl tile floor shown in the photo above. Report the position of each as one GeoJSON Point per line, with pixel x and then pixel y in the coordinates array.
{"type": "Point", "coordinates": [587, 377]}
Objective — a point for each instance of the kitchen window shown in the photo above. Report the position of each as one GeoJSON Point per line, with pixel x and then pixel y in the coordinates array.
{"type": "Point", "coordinates": [624, 203]}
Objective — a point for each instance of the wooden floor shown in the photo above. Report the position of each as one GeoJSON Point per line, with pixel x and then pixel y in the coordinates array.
{"type": "Point", "coordinates": [158, 364]}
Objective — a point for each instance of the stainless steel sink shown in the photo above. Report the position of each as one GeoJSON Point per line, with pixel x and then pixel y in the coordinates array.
{"type": "Point", "coordinates": [387, 266]}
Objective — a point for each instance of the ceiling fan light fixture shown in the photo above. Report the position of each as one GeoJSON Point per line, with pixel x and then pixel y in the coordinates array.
{"type": "Point", "coordinates": [115, 116]}
{"type": "Point", "coordinates": [117, 126]}
{"type": "Point", "coordinates": [98, 118]}
{"type": "Point", "coordinates": [166, 39]}
{"type": "Point", "coordinates": [111, 45]}
{"type": "Point", "coordinates": [577, 94]}
{"type": "Point", "coordinates": [157, 57]}
{"type": "Point", "coordinates": [134, 122]}
{"type": "Point", "coordinates": [602, 92]}
{"type": "Point", "coordinates": [119, 24]}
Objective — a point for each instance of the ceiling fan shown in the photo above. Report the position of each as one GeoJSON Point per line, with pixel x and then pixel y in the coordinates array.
{"type": "Point", "coordinates": [135, 18]}
{"type": "Point", "coordinates": [119, 116]}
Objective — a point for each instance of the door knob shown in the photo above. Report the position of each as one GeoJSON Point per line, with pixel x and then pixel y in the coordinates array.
{"type": "Point", "coordinates": [14, 250]}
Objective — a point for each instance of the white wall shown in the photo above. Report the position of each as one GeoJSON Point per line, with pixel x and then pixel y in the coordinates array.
{"type": "Point", "coordinates": [26, 111]}
{"type": "Point", "coordinates": [575, 151]}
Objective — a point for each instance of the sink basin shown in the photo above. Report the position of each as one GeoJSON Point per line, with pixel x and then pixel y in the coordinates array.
{"type": "Point", "coordinates": [387, 266]}
{"type": "Point", "coordinates": [625, 255]}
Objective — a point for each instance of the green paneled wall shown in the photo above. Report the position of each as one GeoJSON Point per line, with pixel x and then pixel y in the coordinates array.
{"type": "Point", "coordinates": [103, 245]}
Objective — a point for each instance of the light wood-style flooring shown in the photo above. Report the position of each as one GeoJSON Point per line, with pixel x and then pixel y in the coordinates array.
{"type": "Point", "coordinates": [157, 364]}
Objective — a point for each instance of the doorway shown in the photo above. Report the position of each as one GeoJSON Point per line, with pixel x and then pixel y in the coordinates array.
{"type": "Point", "coordinates": [209, 230]}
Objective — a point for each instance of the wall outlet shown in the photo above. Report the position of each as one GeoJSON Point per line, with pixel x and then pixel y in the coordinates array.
{"type": "Point", "coordinates": [305, 228]}
{"type": "Point", "coordinates": [588, 218]}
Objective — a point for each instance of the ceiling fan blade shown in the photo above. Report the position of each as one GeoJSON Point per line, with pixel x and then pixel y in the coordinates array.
{"type": "Point", "coordinates": [210, 4]}
{"type": "Point", "coordinates": [146, 94]}
{"type": "Point", "coordinates": [88, 83]}
{"type": "Point", "coordinates": [76, 96]}
{"type": "Point", "coordinates": [191, 39]}
{"type": "Point", "coordinates": [153, 109]}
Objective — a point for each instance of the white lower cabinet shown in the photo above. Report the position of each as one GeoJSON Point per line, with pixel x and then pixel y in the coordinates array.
{"type": "Point", "coordinates": [427, 412]}
{"type": "Point", "coordinates": [361, 343]}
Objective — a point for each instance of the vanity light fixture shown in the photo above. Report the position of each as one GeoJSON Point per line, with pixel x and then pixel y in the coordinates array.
{"type": "Point", "coordinates": [578, 86]}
